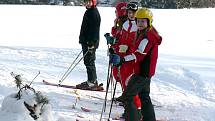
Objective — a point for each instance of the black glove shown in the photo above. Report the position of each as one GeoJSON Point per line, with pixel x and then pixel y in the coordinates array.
{"type": "Point", "coordinates": [110, 39]}
{"type": "Point", "coordinates": [111, 50]}
{"type": "Point", "coordinates": [91, 47]}
{"type": "Point", "coordinates": [107, 34]}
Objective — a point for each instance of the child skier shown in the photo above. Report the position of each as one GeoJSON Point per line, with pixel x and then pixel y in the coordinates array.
{"type": "Point", "coordinates": [89, 40]}
{"type": "Point", "coordinates": [121, 17]}
{"type": "Point", "coordinates": [145, 59]}
{"type": "Point", "coordinates": [125, 46]}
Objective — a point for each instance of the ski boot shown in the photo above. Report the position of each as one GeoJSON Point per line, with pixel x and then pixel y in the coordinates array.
{"type": "Point", "coordinates": [90, 86]}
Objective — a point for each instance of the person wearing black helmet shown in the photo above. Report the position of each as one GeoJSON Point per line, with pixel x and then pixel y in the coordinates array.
{"type": "Point", "coordinates": [89, 40]}
{"type": "Point", "coordinates": [132, 6]}
{"type": "Point", "coordinates": [125, 46]}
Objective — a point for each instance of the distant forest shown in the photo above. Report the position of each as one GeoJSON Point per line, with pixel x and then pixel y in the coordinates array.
{"type": "Point", "coordinates": [175, 4]}
{"type": "Point", "coordinates": [160, 4]}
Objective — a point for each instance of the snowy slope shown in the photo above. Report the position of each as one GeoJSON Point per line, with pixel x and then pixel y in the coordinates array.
{"type": "Point", "coordinates": [177, 89]}
{"type": "Point", "coordinates": [182, 89]}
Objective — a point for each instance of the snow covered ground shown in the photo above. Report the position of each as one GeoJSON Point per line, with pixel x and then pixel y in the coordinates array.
{"type": "Point", "coordinates": [182, 89]}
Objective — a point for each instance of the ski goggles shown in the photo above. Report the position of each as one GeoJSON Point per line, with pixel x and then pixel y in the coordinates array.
{"type": "Point", "coordinates": [132, 6]}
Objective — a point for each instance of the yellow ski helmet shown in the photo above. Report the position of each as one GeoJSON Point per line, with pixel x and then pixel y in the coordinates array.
{"type": "Point", "coordinates": [144, 13]}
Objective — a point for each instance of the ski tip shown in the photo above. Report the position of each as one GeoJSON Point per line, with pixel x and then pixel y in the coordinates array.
{"type": "Point", "coordinates": [85, 109]}
{"type": "Point", "coordinates": [101, 84]}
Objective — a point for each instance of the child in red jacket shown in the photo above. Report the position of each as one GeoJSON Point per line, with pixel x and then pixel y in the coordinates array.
{"type": "Point", "coordinates": [125, 46]}
{"type": "Point", "coordinates": [145, 59]}
{"type": "Point", "coordinates": [121, 17]}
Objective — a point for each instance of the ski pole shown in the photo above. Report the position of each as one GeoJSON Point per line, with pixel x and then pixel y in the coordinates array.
{"type": "Point", "coordinates": [60, 81]}
{"type": "Point", "coordinates": [110, 80]}
{"type": "Point", "coordinates": [114, 91]}
{"type": "Point", "coordinates": [71, 65]}
{"type": "Point", "coordinates": [34, 78]}
{"type": "Point", "coordinates": [109, 76]}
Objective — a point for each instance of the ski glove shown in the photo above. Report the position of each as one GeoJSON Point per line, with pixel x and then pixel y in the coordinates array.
{"type": "Point", "coordinates": [91, 48]}
{"type": "Point", "coordinates": [116, 60]}
{"type": "Point", "coordinates": [110, 39]}
{"type": "Point", "coordinates": [111, 50]}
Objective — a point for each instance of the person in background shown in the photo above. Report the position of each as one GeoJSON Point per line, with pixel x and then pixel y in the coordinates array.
{"type": "Point", "coordinates": [145, 60]}
{"type": "Point", "coordinates": [89, 40]}
{"type": "Point", "coordinates": [121, 17]}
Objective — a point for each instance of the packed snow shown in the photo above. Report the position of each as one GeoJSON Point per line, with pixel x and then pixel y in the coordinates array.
{"type": "Point", "coordinates": [45, 39]}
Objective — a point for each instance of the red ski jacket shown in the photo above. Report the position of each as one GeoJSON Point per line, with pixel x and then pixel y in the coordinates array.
{"type": "Point", "coordinates": [127, 39]}
{"type": "Point", "coordinates": [146, 53]}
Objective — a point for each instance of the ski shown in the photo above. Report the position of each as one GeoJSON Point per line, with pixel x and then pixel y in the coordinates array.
{"type": "Point", "coordinates": [85, 109]}
{"type": "Point", "coordinates": [122, 119]}
{"type": "Point", "coordinates": [99, 89]}
{"type": "Point", "coordinates": [117, 119]}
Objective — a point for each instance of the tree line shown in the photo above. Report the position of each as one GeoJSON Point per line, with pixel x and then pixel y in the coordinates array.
{"type": "Point", "coordinates": [160, 4]}
{"type": "Point", "coordinates": [177, 4]}
{"type": "Point", "coordinates": [173, 4]}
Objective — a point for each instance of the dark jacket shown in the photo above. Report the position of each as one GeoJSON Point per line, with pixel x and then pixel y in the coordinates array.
{"type": "Point", "coordinates": [89, 34]}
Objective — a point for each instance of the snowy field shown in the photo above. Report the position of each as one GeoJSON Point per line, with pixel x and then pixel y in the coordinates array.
{"type": "Point", "coordinates": [45, 39]}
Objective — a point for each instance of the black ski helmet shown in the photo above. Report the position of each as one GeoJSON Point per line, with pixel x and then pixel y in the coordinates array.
{"type": "Point", "coordinates": [132, 6]}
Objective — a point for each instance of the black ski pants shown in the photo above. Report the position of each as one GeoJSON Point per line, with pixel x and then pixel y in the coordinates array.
{"type": "Point", "coordinates": [89, 62]}
{"type": "Point", "coordinates": [141, 86]}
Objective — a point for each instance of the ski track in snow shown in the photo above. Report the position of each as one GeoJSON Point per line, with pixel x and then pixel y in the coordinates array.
{"type": "Point", "coordinates": [178, 90]}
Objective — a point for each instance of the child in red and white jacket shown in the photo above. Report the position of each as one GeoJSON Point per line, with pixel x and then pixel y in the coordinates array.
{"type": "Point", "coordinates": [145, 59]}
{"type": "Point", "coordinates": [125, 46]}
{"type": "Point", "coordinates": [121, 17]}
